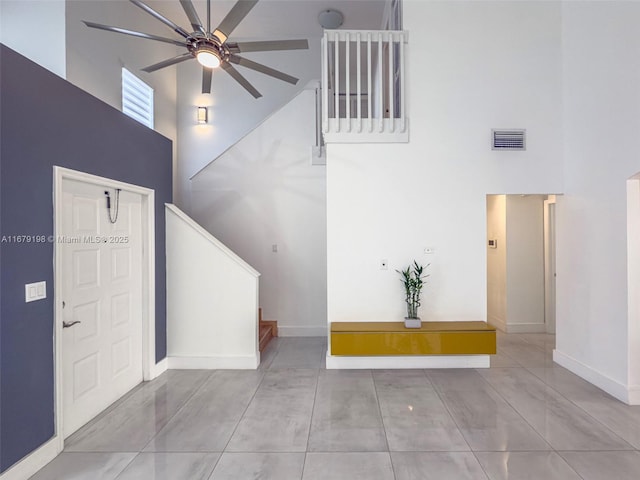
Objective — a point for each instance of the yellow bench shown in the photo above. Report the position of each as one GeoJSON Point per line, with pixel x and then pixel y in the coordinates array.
{"type": "Point", "coordinates": [392, 338]}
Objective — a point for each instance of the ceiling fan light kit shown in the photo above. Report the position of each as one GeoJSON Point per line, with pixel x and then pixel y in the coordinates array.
{"type": "Point", "coordinates": [211, 48]}
{"type": "Point", "coordinates": [208, 56]}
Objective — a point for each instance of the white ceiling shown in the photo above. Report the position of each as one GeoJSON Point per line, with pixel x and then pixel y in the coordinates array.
{"type": "Point", "coordinates": [279, 18]}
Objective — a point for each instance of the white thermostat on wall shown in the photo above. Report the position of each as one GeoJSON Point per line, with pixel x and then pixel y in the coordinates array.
{"type": "Point", "coordinates": [493, 243]}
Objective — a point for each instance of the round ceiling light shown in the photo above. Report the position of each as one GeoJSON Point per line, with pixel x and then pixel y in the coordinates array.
{"type": "Point", "coordinates": [208, 56]}
{"type": "Point", "coordinates": [330, 19]}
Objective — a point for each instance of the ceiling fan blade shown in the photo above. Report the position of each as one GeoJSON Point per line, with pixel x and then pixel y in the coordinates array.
{"type": "Point", "coordinates": [233, 18]}
{"type": "Point", "coordinates": [268, 46]}
{"type": "Point", "coordinates": [227, 67]}
{"type": "Point", "coordinates": [166, 63]}
{"type": "Point", "coordinates": [134, 33]}
{"type": "Point", "coordinates": [194, 19]}
{"type": "Point", "coordinates": [258, 67]}
{"type": "Point", "coordinates": [176, 28]}
{"type": "Point", "coordinates": [207, 76]}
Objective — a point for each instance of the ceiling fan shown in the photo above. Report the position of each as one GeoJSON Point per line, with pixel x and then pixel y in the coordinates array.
{"type": "Point", "coordinates": [211, 48]}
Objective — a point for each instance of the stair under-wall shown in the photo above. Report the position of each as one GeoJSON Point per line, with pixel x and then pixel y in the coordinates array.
{"type": "Point", "coordinates": [267, 330]}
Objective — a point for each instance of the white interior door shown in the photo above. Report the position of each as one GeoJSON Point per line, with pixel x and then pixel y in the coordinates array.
{"type": "Point", "coordinates": [102, 299]}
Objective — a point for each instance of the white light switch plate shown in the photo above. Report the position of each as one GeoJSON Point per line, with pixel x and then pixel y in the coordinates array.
{"type": "Point", "coordinates": [35, 291]}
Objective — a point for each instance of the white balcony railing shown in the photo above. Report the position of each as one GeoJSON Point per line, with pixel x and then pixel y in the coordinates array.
{"type": "Point", "coordinates": [363, 86]}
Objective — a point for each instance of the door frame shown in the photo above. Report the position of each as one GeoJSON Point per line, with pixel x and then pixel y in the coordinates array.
{"type": "Point", "coordinates": [550, 264]}
{"type": "Point", "coordinates": [149, 369]}
{"type": "Point", "coordinates": [633, 289]}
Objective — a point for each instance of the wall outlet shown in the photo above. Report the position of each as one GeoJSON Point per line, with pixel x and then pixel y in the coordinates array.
{"type": "Point", "coordinates": [35, 291]}
{"type": "Point", "coordinates": [384, 265]}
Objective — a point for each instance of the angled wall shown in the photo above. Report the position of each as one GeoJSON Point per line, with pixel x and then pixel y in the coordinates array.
{"type": "Point", "coordinates": [46, 121]}
{"type": "Point", "coordinates": [233, 112]}
{"type": "Point", "coordinates": [262, 192]}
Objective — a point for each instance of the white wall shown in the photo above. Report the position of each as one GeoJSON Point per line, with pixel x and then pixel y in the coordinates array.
{"type": "Point", "coordinates": [35, 29]}
{"type": "Point", "coordinates": [525, 264]}
{"type": "Point", "coordinates": [497, 261]}
{"type": "Point", "coordinates": [95, 58]}
{"type": "Point", "coordinates": [212, 300]}
{"type": "Point", "coordinates": [601, 91]}
{"type": "Point", "coordinates": [472, 66]}
{"type": "Point", "coordinates": [263, 192]}
{"type": "Point", "coordinates": [233, 112]}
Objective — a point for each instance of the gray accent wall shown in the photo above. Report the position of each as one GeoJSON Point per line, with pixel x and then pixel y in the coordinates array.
{"type": "Point", "coordinates": [46, 121]}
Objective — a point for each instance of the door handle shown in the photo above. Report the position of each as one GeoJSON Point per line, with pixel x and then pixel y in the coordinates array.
{"type": "Point", "coordinates": [70, 324]}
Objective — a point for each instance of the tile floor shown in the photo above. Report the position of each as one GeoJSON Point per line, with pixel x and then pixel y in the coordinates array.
{"type": "Point", "coordinates": [524, 418]}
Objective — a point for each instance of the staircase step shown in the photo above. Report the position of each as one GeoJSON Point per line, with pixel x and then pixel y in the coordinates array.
{"type": "Point", "coordinates": [272, 324]}
{"type": "Point", "coordinates": [265, 336]}
{"type": "Point", "coordinates": [268, 329]}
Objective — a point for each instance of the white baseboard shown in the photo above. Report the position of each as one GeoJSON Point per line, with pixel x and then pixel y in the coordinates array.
{"type": "Point", "coordinates": [159, 368]}
{"type": "Point", "coordinates": [634, 395]}
{"type": "Point", "coordinates": [296, 331]}
{"type": "Point", "coordinates": [628, 395]}
{"type": "Point", "coordinates": [408, 361]}
{"type": "Point", "coordinates": [497, 323]}
{"type": "Point", "coordinates": [517, 327]}
{"type": "Point", "coordinates": [526, 328]}
{"type": "Point", "coordinates": [33, 462]}
{"type": "Point", "coordinates": [219, 362]}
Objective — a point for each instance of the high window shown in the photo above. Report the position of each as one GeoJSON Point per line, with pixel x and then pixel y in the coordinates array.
{"type": "Point", "coordinates": [137, 98]}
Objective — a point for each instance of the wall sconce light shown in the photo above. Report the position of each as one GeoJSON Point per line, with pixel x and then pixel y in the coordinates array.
{"type": "Point", "coordinates": [203, 115]}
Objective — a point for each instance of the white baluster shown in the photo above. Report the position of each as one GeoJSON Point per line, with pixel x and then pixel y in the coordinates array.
{"type": "Point", "coordinates": [336, 85]}
{"type": "Point", "coordinates": [392, 120]}
{"type": "Point", "coordinates": [381, 80]}
{"type": "Point", "coordinates": [325, 84]}
{"type": "Point", "coordinates": [369, 94]}
{"type": "Point", "coordinates": [347, 81]}
{"type": "Point", "coordinates": [359, 81]}
{"type": "Point", "coordinates": [403, 113]}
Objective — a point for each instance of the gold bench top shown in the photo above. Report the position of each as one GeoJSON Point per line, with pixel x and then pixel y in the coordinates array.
{"type": "Point", "coordinates": [398, 327]}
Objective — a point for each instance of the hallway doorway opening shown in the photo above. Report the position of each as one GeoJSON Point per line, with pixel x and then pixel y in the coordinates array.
{"type": "Point", "coordinates": [521, 263]}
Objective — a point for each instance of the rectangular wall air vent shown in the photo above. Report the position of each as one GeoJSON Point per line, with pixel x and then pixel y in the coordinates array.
{"type": "Point", "coordinates": [512, 139]}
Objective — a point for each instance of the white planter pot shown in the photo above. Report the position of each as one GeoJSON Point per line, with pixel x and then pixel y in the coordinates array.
{"type": "Point", "coordinates": [412, 322]}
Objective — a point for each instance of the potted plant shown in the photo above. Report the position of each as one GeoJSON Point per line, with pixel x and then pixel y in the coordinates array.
{"type": "Point", "coordinates": [413, 280]}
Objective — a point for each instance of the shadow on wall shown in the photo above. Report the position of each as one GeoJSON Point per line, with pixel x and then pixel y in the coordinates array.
{"type": "Point", "coordinates": [265, 200]}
